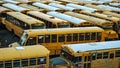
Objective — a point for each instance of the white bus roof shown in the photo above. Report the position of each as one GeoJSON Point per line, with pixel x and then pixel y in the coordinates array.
{"type": "Point", "coordinates": [45, 6]}
{"type": "Point", "coordinates": [61, 6]}
{"type": "Point", "coordinates": [14, 7]}
{"type": "Point", "coordinates": [81, 7]}
{"type": "Point", "coordinates": [11, 1]}
{"type": "Point", "coordinates": [67, 17]}
{"type": "Point", "coordinates": [109, 7]}
{"type": "Point", "coordinates": [94, 46]}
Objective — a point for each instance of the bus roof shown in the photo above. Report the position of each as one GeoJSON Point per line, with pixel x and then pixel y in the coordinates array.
{"type": "Point", "coordinates": [38, 4]}
{"type": "Point", "coordinates": [67, 17]}
{"type": "Point", "coordinates": [3, 9]}
{"type": "Point", "coordinates": [24, 18]}
{"type": "Point", "coordinates": [64, 30]}
{"type": "Point", "coordinates": [81, 7]}
{"type": "Point", "coordinates": [44, 16]}
{"type": "Point", "coordinates": [15, 7]}
{"type": "Point", "coordinates": [109, 7]}
{"type": "Point", "coordinates": [62, 6]}
{"type": "Point", "coordinates": [11, 1]}
{"type": "Point", "coordinates": [14, 53]}
{"type": "Point", "coordinates": [31, 7]}
{"type": "Point", "coordinates": [96, 21]}
{"type": "Point", "coordinates": [77, 48]}
{"type": "Point", "coordinates": [103, 16]}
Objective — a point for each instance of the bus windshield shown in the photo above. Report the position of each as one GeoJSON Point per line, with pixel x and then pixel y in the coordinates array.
{"type": "Point", "coordinates": [23, 38]}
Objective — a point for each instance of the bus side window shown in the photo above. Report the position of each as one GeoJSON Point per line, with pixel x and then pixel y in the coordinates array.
{"type": "Point", "coordinates": [8, 64]}
{"type": "Point", "coordinates": [99, 35]}
{"type": "Point", "coordinates": [47, 38]}
{"type": "Point", "coordinates": [54, 38]}
{"type": "Point", "coordinates": [85, 58]}
{"type": "Point", "coordinates": [89, 65]}
{"type": "Point", "coordinates": [81, 36]}
{"type": "Point", "coordinates": [1, 64]}
{"type": "Point", "coordinates": [87, 36]}
{"type": "Point", "coordinates": [41, 60]}
{"type": "Point", "coordinates": [93, 36]}
{"type": "Point", "coordinates": [89, 58]}
{"type": "Point", "coordinates": [117, 53]}
{"type": "Point", "coordinates": [111, 55]}
{"type": "Point", "coordinates": [16, 63]}
{"type": "Point", "coordinates": [24, 62]}
{"type": "Point", "coordinates": [32, 61]}
{"type": "Point", "coordinates": [31, 41]}
{"type": "Point", "coordinates": [75, 37]}
{"type": "Point", "coordinates": [69, 37]}
{"type": "Point", "coordinates": [78, 59]}
{"type": "Point", "coordinates": [93, 56]}
{"type": "Point", "coordinates": [61, 38]}
{"type": "Point", "coordinates": [99, 55]}
{"type": "Point", "coordinates": [40, 39]}
{"type": "Point", "coordinates": [105, 55]}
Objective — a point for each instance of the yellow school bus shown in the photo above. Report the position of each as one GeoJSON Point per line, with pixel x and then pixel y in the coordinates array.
{"type": "Point", "coordinates": [12, 2]}
{"type": "Point", "coordinates": [103, 11]}
{"type": "Point", "coordinates": [75, 22]}
{"type": "Point", "coordinates": [114, 9]}
{"type": "Point", "coordinates": [97, 7]}
{"type": "Point", "coordinates": [18, 22]}
{"type": "Point", "coordinates": [115, 20]}
{"type": "Point", "coordinates": [53, 39]}
{"type": "Point", "coordinates": [33, 8]}
{"type": "Point", "coordinates": [50, 21]}
{"type": "Point", "coordinates": [15, 7]}
{"type": "Point", "coordinates": [24, 57]}
{"type": "Point", "coordinates": [92, 55]}
{"type": "Point", "coordinates": [110, 34]}
{"type": "Point", "coordinates": [47, 7]}
{"type": "Point", "coordinates": [67, 8]}
{"type": "Point", "coordinates": [111, 14]}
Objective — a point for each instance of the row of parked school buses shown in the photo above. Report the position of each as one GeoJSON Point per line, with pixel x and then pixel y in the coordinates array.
{"type": "Point", "coordinates": [56, 24]}
{"type": "Point", "coordinates": [86, 55]}
{"type": "Point", "coordinates": [89, 26]}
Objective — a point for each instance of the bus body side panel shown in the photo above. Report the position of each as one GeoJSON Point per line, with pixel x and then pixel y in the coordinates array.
{"type": "Point", "coordinates": [11, 27]}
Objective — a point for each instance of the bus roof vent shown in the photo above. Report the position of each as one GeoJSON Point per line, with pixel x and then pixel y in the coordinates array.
{"type": "Point", "coordinates": [92, 44]}
{"type": "Point", "coordinates": [20, 48]}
